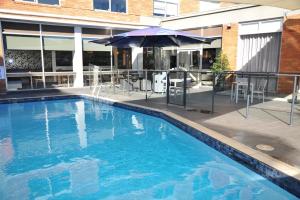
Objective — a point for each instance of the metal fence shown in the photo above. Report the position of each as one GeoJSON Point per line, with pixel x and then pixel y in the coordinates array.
{"type": "Point", "coordinates": [175, 85]}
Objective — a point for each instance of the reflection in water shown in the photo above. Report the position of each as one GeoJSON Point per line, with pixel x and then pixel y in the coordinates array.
{"type": "Point", "coordinates": [80, 149]}
{"type": "Point", "coordinates": [80, 121]}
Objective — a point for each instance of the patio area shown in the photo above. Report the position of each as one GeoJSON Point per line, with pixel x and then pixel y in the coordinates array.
{"type": "Point", "coordinates": [266, 126]}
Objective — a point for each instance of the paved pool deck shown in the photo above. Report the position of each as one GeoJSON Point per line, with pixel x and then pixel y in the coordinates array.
{"type": "Point", "coordinates": [267, 123]}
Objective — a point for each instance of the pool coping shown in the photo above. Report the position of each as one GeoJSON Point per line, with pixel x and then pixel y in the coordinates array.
{"type": "Point", "coordinates": [280, 173]}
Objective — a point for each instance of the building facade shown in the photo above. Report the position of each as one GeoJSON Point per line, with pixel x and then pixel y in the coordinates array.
{"type": "Point", "coordinates": [45, 43]}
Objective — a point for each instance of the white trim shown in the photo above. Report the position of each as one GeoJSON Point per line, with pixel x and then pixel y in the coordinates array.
{"type": "Point", "coordinates": [229, 8]}
{"type": "Point", "coordinates": [13, 14]}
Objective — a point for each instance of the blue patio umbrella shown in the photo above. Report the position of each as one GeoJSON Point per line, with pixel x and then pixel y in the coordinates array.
{"type": "Point", "coordinates": [153, 37]}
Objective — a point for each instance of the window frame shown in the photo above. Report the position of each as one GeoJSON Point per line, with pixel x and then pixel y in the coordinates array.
{"type": "Point", "coordinates": [38, 3]}
{"type": "Point", "coordinates": [109, 9]}
{"type": "Point", "coordinates": [165, 2]}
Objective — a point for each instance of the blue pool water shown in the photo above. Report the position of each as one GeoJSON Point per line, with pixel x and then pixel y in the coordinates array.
{"type": "Point", "coordinates": [79, 149]}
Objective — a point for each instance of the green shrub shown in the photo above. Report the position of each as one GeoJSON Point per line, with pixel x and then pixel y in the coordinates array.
{"type": "Point", "coordinates": [221, 63]}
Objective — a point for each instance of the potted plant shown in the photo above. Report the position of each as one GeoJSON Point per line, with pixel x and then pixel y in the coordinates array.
{"type": "Point", "coordinates": [220, 65]}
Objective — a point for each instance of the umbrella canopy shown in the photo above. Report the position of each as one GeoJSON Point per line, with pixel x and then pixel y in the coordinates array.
{"type": "Point", "coordinates": [153, 37]}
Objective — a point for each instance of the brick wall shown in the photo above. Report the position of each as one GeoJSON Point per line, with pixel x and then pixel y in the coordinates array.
{"type": "Point", "coordinates": [230, 43]}
{"type": "Point", "coordinates": [290, 52]}
{"type": "Point", "coordinates": [188, 6]}
{"type": "Point", "coordinates": [136, 8]}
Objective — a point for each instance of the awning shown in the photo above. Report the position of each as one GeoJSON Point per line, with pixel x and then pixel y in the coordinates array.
{"type": "Point", "coordinates": [287, 4]}
{"type": "Point", "coordinates": [59, 44]}
{"type": "Point", "coordinates": [89, 46]}
{"type": "Point", "coordinates": [14, 42]}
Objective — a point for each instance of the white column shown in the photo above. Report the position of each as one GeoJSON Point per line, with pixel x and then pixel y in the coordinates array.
{"type": "Point", "coordinates": [77, 58]}
{"type": "Point", "coordinates": [42, 57]}
{"type": "Point", "coordinates": [2, 65]}
{"type": "Point", "coordinates": [137, 58]}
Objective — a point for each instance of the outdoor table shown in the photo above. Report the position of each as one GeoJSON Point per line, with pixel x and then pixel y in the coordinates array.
{"type": "Point", "coordinates": [236, 85]}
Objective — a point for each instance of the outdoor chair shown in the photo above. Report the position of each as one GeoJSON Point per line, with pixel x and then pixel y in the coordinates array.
{"type": "Point", "coordinates": [240, 86]}
{"type": "Point", "coordinates": [259, 90]}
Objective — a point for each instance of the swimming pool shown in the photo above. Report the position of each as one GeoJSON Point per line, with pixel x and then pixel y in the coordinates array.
{"type": "Point", "coordinates": [77, 148]}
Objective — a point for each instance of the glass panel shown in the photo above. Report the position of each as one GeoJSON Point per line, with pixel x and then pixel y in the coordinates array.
{"type": "Point", "coordinates": [99, 58]}
{"type": "Point", "coordinates": [118, 5]}
{"type": "Point", "coordinates": [184, 59]}
{"type": "Point", "coordinates": [58, 54]}
{"type": "Point", "coordinates": [95, 54]}
{"type": "Point", "coordinates": [101, 4]}
{"type": "Point", "coordinates": [93, 32]}
{"type": "Point", "coordinates": [64, 58]}
{"type": "Point", "coordinates": [171, 9]}
{"type": "Point", "coordinates": [57, 30]}
{"type": "Point", "coordinates": [50, 2]}
{"type": "Point", "coordinates": [122, 58]}
{"type": "Point", "coordinates": [59, 43]}
{"type": "Point", "coordinates": [22, 54]}
{"type": "Point", "coordinates": [195, 59]}
{"type": "Point", "coordinates": [13, 27]}
{"type": "Point", "coordinates": [176, 88]}
{"type": "Point", "coordinates": [90, 46]}
{"type": "Point", "coordinates": [165, 7]}
{"type": "Point", "coordinates": [208, 58]}
{"type": "Point", "coordinates": [148, 59]}
{"type": "Point", "coordinates": [14, 42]}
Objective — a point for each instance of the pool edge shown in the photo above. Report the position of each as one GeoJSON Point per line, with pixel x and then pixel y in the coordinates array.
{"type": "Point", "coordinates": [278, 172]}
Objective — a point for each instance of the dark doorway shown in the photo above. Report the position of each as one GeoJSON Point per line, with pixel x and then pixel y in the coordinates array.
{"type": "Point", "coordinates": [173, 62]}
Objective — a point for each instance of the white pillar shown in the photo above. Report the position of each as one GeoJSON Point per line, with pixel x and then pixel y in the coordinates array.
{"type": "Point", "coordinates": [137, 58]}
{"type": "Point", "coordinates": [77, 58]}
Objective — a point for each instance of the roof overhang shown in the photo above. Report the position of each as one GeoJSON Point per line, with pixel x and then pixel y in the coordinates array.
{"type": "Point", "coordinates": [287, 4]}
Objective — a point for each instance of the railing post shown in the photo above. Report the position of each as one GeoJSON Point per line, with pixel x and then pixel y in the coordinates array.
{"type": "Point", "coordinates": [128, 81]}
{"type": "Point", "coordinates": [114, 82]}
{"type": "Point", "coordinates": [248, 95]}
{"type": "Point", "coordinates": [146, 77]}
{"type": "Point", "coordinates": [213, 94]}
{"type": "Point", "coordinates": [184, 88]}
{"type": "Point", "coordinates": [267, 86]}
{"type": "Point", "coordinates": [168, 87]}
{"type": "Point", "coordinates": [293, 100]}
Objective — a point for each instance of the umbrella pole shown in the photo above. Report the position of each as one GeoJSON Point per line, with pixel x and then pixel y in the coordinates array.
{"type": "Point", "coordinates": [153, 57]}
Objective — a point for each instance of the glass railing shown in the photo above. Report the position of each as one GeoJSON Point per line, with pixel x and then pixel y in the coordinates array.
{"type": "Point", "coordinates": [35, 80]}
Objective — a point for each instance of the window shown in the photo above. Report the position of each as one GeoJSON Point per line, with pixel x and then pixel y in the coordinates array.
{"type": "Point", "coordinates": [208, 5]}
{"type": "Point", "coordinates": [49, 2]}
{"type": "Point", "coordinates": [165, 8]}
{"type": "Point", "coordinates": [122, 58]}
{"type": "Point", "coordinates": [111, 5]}
{"type": "Point", "coordinates": [64, 58]}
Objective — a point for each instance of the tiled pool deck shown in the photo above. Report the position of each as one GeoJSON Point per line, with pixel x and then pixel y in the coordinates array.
{"type": "Point", "coordinates": [267, 123]}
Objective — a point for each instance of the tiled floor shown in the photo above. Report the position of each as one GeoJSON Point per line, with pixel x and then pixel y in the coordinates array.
{"type": "Point", "coordinates": [267, 123]}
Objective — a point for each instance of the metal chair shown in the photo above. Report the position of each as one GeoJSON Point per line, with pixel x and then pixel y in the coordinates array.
{"type": "Point", "coordinates": [259, 90]}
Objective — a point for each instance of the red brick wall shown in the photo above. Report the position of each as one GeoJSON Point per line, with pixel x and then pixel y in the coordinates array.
{"type": "Point", "coordinates": [136, 8]}
{"type": "Point", "coordinates": [290, 52]}
{"type": "Point", "coordinates": [230, 43]}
